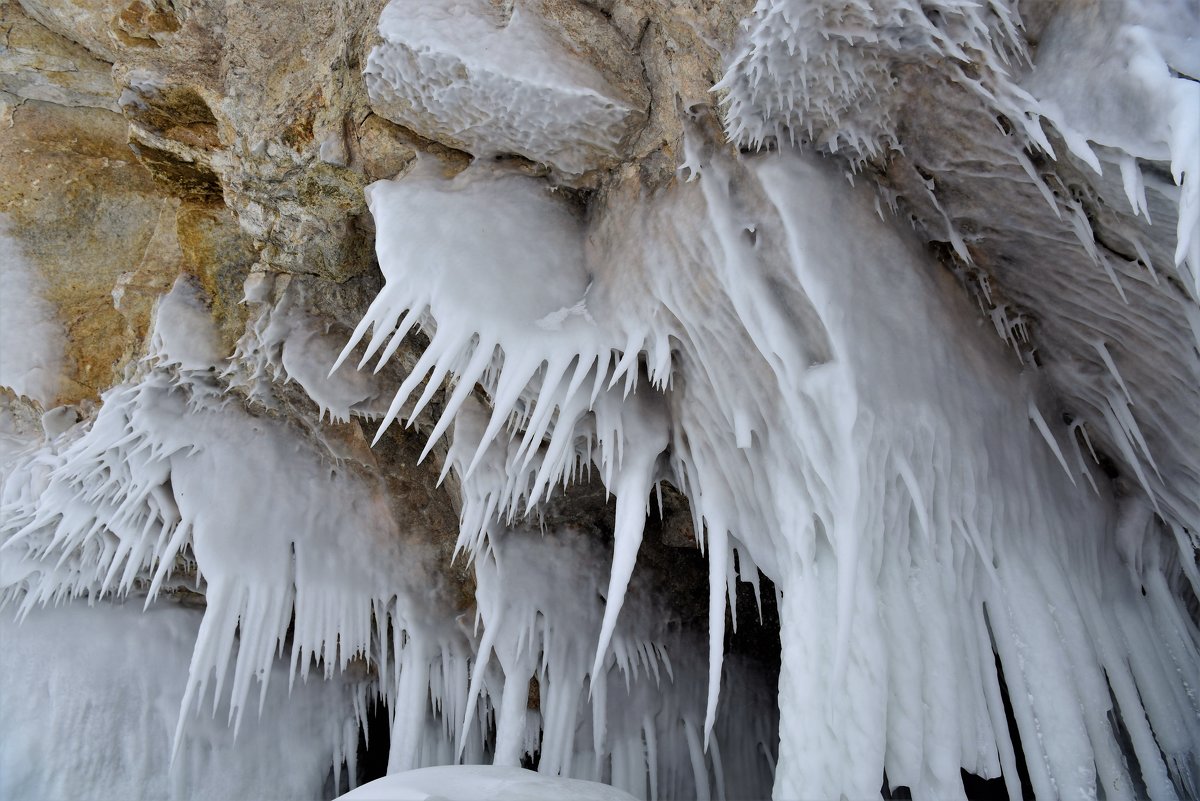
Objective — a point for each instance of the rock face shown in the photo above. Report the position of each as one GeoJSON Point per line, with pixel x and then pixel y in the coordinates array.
{"type": "Point", "coordinates": [581, 207]}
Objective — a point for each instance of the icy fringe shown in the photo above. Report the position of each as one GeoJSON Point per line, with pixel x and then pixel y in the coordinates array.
{"type": "Point", "coordinates": [759, 338]}
{"type": "Point", "coordinates": [824, 72]}
{"type": "Point", "coordinates": [174, 476]}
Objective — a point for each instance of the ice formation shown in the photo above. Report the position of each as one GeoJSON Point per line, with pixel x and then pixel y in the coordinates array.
{"type": "Point", "coordinates": [828, 73]}
{"type": "Point", "coordinates": [909, 534]}
{"type": "Point", "coordinates": [124, 505]}
{"type": "Point", "coordinates": [757, 333]}
{"type": "Point", "coordinates": [112, 677]}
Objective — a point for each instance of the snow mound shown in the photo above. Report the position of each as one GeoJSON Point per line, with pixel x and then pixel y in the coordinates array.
{"type": "Point", "coordinates": [481, 783]}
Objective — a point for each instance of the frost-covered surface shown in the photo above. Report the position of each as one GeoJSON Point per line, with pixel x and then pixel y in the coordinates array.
{"type": "Point", "coordinates": [462, 71]}
{"type": "Point", "coordinates": [90, 696]}
{"type": "Point", "coordinates": [835, 74]}
{"type": "Point", "coordinates": [31, 338]}
{"type": "Point", "coordinates": [475, 783]}
{"type": "Point", "coordinates": [910, 532]}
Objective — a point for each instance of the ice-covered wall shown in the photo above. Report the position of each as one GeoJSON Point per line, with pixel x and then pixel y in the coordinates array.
{"type": "Point", "coordinates": [465, 73]}
{"type": "Point", "coordinates": [787, 340]}
{"type": "Point", "coordinates": [89, 700]}
{"type": "Point", "coordinates": [775, 303]}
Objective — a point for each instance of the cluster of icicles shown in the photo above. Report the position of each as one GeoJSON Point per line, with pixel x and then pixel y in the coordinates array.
{"type": "Point", "coordinates": [757, 336]}
{"type": "Point", "coordinates": [761, 340]}
{"type": "Point", "coordinates": [175, 483]}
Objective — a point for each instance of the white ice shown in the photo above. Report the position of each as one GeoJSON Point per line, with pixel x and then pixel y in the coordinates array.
{"type": "Point", "coordinates": [89, 699]}
{"type": "Point", "coordinates": [834, 420]}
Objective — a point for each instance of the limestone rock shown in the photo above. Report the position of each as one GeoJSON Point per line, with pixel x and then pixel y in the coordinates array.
{"type": "Point", "coordinates": [38, 64]}
{"type": "Point", "coordinates": [85, 212]}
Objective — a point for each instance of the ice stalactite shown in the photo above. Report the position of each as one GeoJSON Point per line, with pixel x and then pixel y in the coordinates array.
{"type": "Point", "coordinates": [853, 79]}
{"type": "Point", "coordinates": [577, 408]}
{"type": "Point", "coordinates": [635, 722]}
{"type": "Point", "coordinates": [175, 485]}
{"type": "Point", "coordinates": [831, 424]}
{"type": "Point", "coordinates": [832, 74]}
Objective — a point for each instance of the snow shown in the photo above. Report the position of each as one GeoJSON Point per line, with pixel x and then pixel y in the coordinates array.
{"type": "Point", "coordinates": [486, 783]}
{"type": "Point", "coordinates": [458, 71]}
{"type": "Point", "coordinates": [32, 340]}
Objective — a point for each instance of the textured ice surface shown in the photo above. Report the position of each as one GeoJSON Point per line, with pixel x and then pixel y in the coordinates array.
{"type": "Point", "coordinates": [1119, 73]}
{"type": "Point", "coordinates": [827, 71]}
{"type": "Point", "coordinates": [463, 73]}
{"type": "Point", "coordinates": [1124, 75]}
{"type": "Point", "coordinates": [481, 783]}
{"type": "Point", "coordinates": [31, 338]}
{"type": "Point", "coordinates": [89, 698]}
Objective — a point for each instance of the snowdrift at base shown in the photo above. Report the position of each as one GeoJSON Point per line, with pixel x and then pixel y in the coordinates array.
{"type": "Point", "coordinates": [481, 783]}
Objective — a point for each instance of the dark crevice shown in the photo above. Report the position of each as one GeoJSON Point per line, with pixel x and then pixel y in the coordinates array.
{"type": "Point", "coordinates": [374, 742]}
{"type": "Point", "coordinates": [1015, 736]}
